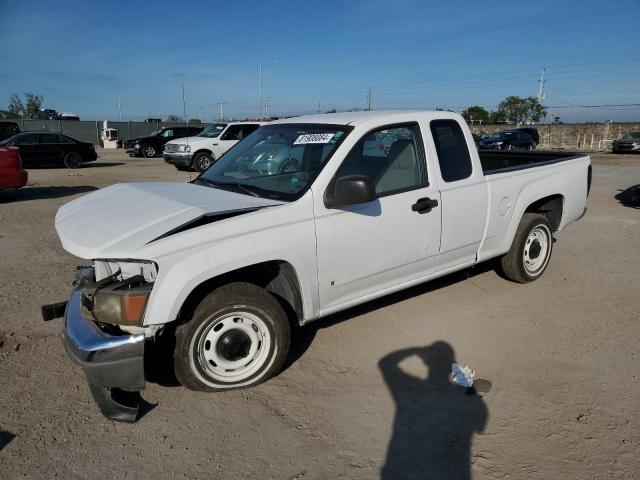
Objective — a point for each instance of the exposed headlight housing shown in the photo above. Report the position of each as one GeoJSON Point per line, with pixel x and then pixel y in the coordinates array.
{"type": "Point", "coordinates": [184, 148]}
{"type": "Point", "coordinates": [120, 292]}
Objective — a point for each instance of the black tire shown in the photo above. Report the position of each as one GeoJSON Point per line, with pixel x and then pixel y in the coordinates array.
{"type": "Point", "coordinates": [221, 311]}
{"type": "Point", "coordinates": [72, 160]}
{"type": "Point", "coordinates": [148, 151]}
{"type": "Point", "coordinates": [513, 264]}
{"type": "Point", "coordinates": [201, 161]}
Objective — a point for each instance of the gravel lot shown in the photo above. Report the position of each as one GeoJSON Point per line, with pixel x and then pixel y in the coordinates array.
{"type": "Point", "coordinates": [361, 389]}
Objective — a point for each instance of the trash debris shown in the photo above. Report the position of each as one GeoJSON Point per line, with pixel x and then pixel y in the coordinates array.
{"type": "Point", "coordinates": [462, 376]}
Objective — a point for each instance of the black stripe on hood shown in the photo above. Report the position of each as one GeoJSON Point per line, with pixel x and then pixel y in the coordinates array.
{"type": "Point", "coordinates": [205, 220]}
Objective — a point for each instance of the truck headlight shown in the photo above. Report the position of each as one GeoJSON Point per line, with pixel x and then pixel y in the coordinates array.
{"type": "Point", "coordinates": [120, 303]}
{"type": "Point", "coordinates": [184, 148]}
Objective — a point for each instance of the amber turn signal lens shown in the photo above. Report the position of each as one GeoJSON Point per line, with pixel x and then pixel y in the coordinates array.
{"type": "Point", "coordinates": [133, 307]}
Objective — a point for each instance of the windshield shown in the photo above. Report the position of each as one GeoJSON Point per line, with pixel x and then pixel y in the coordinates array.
{"type": "Point", "coordinates": [212, 131]}
{"type": "Point", "coordinates": [633, 135]}
{"type": "Point", "coordinates": [154, 133]}
{"type": "Point", "coordinates": [276, 161]}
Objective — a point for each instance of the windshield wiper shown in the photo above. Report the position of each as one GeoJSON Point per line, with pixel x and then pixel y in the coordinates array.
{"type": "Point", "coordinates": [248, 189]}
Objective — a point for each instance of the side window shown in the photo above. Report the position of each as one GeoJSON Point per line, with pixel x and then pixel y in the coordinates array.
{"type": "Point", "coordinates": [451, 146]}
{"type": "Point", "coordinates": [63, 139]}
{"type": "Point", "coordinates": [167, 133]}
{"type": "Point", "coordinates": [391, 157]}
{"type": "Point", "coordinates": [49, 138]}
{"type": "Point", "coordinates": [233, 133]}
{"type": "Point", "coordinates": [249, 129]}
{"type": "Point", "coordinates": [28, 139]}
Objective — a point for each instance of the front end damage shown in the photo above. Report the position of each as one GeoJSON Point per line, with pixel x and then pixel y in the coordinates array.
{"type": "Point", "coordinates": [111, 355]}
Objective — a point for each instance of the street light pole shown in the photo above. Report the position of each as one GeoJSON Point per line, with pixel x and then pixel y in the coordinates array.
{"type": "Point", "coordinates": [260, 85]}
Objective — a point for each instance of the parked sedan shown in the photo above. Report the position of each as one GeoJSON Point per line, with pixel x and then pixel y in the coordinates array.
{"type": "Point", "coordinates": [11, 173]}
{"type": "Point", "coordinates": [47, 148]}
{"type": "Point", "coordinates": [630, 142]}
{"type": "Point", "coordinates": [508, 140]}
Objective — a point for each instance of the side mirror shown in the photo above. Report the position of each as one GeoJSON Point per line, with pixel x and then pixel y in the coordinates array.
{"type": "Point", "coordinates": [349, 190]}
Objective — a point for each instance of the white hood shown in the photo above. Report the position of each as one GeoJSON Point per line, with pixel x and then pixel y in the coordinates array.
{"type": "Point", "coordinates": [124, 217]}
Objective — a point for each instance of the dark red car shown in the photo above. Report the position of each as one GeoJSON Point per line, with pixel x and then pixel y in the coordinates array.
{"type": "Point", "coordinates": [11, 173]}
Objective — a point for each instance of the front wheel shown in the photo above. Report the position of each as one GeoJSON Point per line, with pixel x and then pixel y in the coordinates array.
{"type": "Point", "coordinates": [530, 251]}
{"type": "Point", "coordinates": [237, 337]}
{"type": "Point", "coordinates": [202, 161]}
{"type": "Point", "coordinates": [149, 151]}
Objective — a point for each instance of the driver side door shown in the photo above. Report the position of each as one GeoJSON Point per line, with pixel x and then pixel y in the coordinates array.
{"type": "Point", "coordinates": [366, 249]}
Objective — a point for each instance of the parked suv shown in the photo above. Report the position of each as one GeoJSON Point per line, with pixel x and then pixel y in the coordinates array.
{"type": "Point", "coordinates": [8, 129]}
{"type": "Point", "coordinates": [508, 140]}
{"type": "Point", "coordinates": [199, 152]}
{"type": "Point", "coordinates": [151, 145]}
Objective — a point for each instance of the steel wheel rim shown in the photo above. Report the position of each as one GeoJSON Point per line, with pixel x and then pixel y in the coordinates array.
{"type": "Point", "coordinates": [536, 250]}
{"type": "Point", "coordinates": [210, 357]}
{"type": "Point", "coordinates": [149, 152]}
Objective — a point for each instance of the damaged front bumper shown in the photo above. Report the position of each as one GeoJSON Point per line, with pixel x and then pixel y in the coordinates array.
{"type": "Point", "coordinates": [112, 363]}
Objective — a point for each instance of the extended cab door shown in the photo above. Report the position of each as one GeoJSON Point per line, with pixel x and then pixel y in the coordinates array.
{"type": "Point", "coordinates": [462, 190]}
{"type": "Point", "coordinates": [368, 248]}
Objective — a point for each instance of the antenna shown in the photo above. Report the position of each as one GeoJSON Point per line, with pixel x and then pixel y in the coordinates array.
{"type": "Point", "coordinates": [369, 99]}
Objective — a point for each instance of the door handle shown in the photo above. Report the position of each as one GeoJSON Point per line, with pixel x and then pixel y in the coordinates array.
{"type": "Point", "coordinates": [424, 205]}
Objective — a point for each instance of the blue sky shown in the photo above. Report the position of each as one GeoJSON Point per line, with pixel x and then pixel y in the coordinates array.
{"type": "Point", "coordinates": [83, 56]}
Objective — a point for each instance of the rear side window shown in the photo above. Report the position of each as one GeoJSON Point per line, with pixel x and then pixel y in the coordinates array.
{"type": "Point", "coordinates": [451, 146]}
{"type": "Point", "coordinates": [49, 138]}
{"type": "Point", "coordinates": [28, 139]}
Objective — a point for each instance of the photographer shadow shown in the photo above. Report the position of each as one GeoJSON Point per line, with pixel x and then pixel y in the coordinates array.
{"type": "Point", "coordinates": [435, 419]}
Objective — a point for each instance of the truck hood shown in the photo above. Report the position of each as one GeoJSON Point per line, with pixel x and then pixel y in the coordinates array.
{"type": "Point", "coordinates": [117, 220]}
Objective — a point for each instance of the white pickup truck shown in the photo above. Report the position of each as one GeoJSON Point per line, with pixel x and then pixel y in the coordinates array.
{"type": "Point", "coordinates": [224, 266]}
{"type": "Point", "coordinates": [199, 152]}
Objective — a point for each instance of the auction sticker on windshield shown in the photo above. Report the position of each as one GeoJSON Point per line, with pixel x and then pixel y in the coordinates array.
{"type": "Point", "coordinates": [313, 138]}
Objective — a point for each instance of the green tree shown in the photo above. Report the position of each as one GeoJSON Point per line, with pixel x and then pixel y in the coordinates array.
{"type": "Point", "coordinates": [195, 121]}
{"type": "Point", "coordinates": [521, 110]}
{"type": "Point", "coordinates": [33, 104]}
{"type": "Point", "coordinates": [496, 117]}
{"type": "Point", "coordinates": [15, 105]}
{"type": "Point", "coordinates": [476, 113]}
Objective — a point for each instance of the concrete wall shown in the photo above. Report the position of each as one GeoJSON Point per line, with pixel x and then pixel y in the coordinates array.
{"type": "Point", "coordinates": [90, 131]}
{"type": "Point", "coordinates": [571, 136]}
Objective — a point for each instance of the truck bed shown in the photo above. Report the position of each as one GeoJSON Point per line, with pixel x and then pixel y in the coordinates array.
{"type": "Point", "coordinates": [499, 161]}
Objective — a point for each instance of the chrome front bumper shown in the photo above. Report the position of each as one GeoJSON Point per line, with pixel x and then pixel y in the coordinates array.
{"type": "Point", "coordinates": [112, 364]}
{"type": "Point", "coordinates": [182, 159]}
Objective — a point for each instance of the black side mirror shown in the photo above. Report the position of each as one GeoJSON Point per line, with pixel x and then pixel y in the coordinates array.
{"type": "Point", "coordinates": [349, 190]}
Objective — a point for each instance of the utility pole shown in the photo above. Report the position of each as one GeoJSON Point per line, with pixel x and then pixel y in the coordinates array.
{"type": "Point", "coordinates": [541, 95]}
{"type": "Point", "coordinates": [369, 99]}
{"type": "Point", "coordinates": [260, 84]}
{"type": "Point", "coordinates": [222, 104]}
{"type": "Point", "coordinates": [184, 106]}
{"type": "Point", "coordinates": [266, 108]}
{"type": "Point", "coordinates": [119, 109]}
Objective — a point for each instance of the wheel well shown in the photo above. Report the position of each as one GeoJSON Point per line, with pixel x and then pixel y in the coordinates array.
{"type": "Point", "coordinates": [203, 150]}
{"type": "Point", "coordinates": [550, 207]}
{"type": "Point", "coordinates": [277, 277]}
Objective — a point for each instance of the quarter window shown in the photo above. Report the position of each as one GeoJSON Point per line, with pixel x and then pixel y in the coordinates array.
{"type": "Point", "coordinates": [453, 153]}
{"type": "Point", "coordinates": [391, 157]}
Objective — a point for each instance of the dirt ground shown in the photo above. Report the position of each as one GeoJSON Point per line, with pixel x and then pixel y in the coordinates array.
{"type": "Point", "coordinates": [364, 394]}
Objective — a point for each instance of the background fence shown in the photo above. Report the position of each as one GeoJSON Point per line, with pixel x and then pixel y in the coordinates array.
{"type": "Point", "coordinates": [91, 131]}
{"type": "Point", "coordinates": [571, 136]}
{"type": "Point", "coordinates": [566, 136]}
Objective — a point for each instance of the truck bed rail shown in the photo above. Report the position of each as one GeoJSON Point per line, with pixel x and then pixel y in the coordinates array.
{"type": "Point", "coordinates": [498, 161]}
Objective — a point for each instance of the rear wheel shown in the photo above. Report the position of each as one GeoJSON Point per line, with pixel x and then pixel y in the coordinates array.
{"type": "Point", "coordinates": [72, 160]}
{"type": "Point", "coordinates": [238, 337]}
{"type": "Point", "coordinates": [531, 250]}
